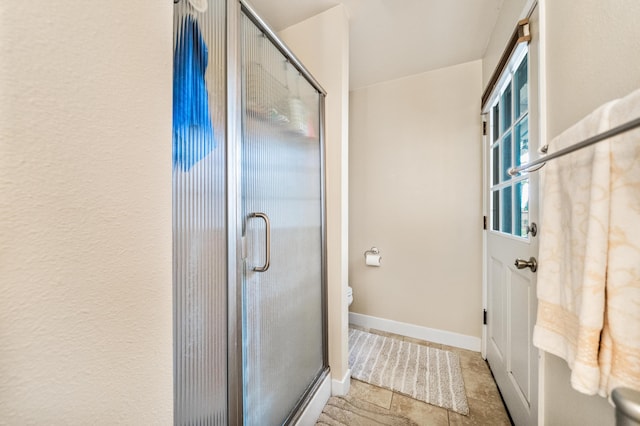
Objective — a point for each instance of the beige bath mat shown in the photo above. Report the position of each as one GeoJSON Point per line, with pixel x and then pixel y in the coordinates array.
{"type": "Point", "coordinates": [421, 372]}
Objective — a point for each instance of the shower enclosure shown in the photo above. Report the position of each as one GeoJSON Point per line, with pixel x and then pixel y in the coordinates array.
{"type": "Point", "coordinates": [248, 221]}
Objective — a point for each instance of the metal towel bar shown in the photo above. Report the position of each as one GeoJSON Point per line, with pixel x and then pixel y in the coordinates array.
{"type": "Point", "coordinates": [627, 406]}
{"type": "Point", "coordinates": [594, 139]}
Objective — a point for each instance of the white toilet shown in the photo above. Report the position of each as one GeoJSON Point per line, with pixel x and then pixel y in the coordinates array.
{"type": "Point", "coordinates": [349, 296]}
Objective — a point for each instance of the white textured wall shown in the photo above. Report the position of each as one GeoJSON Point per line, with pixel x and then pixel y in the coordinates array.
{"type": "Point", "coordinates": [85, 208]}
{"type": "Point", "coordinates": [416, 193]}
{"type": "Point", "coordinates": [322, 44]}
{"type": "Point", "coordinates": [511, 12]}
{"type": "Point", "coordinates": [592, 57]}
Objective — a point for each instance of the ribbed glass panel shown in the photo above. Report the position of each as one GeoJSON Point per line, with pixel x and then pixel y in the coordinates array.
{"type": "Point", "coordinates": [199, 239]}
{"type": "Point", "coordinates": [282, 318]}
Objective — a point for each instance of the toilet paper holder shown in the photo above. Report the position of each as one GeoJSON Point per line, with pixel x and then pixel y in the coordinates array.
{"type": "Point", "coordinates": [372, 257]}
{"type": "Point", "coordinates": [372, 250]}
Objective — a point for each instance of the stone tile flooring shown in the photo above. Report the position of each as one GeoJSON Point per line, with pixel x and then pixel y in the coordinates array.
{"type": "Point", "coordinates": [485, 405]}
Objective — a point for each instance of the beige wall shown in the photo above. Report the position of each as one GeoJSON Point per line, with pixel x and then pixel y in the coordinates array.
{"type": "Point", "coordinates": [322, 44]}
{"type": "Point", "coordinates": [85, 202]}
{"type": "Point", "coordinates": [592, 57]}
{"type": "Point", "coordinates": [416, 194]}
{"type": "Point", "coordinates": [510, 13]}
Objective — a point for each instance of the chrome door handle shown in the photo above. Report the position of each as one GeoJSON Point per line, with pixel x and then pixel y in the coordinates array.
{"type": "Point", "coordinates": [532, 229]}
{"type": "Point", "coordinates": [267, 241]}
{"type": "Point", "coordinates": [532, 263]}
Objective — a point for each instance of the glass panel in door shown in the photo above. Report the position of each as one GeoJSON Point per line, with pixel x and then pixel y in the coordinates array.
{"type": "Point", "coordinates": [281, 204]}
{"type": "Point", "coordinates": [199, 206]}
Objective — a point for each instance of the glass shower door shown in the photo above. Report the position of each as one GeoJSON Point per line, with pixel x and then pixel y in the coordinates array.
{"type": "Point", "coordinates": [199, 217]}
{"type": "Point", "coordinates": [282, 235]}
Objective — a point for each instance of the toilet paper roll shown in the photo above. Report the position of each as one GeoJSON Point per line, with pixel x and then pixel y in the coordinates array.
{"type": "Point", "coordinates": [372, 259]}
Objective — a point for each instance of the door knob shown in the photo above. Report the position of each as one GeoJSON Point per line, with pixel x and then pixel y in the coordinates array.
{"type": "Point", "coordinates": [532, 229]}
{"type": "Point", "coordinates": [531, 263]}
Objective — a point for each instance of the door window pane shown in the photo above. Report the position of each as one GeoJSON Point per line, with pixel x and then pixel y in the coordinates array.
{"type": "Point", "coordinates": [522, 208]}
{"type": "Point", "coordinates": [495, 117]}
{"type": "Point", "coordinates": [506, 210]}
{"type": "Point", "coordinates": [522, 89]}
{"type": "Point", "coordinates": [509, 139]}
{"type": "Point", "coordinates": [506, 156]}
{"type": "Point", "coordinates": [509, 147]}
{"type": "Point", "coordinates": [495, 211]}
{"type": "Point", "coordinates": [505, 102]}
{"type": "Point", "coordinates": [495, 164]}
{"type": "Point", "coordinates": [522, 142]}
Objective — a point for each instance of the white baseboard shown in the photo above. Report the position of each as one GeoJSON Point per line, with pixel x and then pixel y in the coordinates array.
{"type": "Point", "coordinates": [417, 332]}
{"type": "Point", "coordinates": [341, 387]}
{"type": "Point", "coordinates": [312, 411]}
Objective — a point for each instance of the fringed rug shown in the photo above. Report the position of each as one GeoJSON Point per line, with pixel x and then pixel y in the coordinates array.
{"type": "Point", "coordinates": [347, 411]}
{"type": "Point", "coordinates": [421, 372]}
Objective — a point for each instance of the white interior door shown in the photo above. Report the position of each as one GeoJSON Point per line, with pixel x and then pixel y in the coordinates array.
{"type": "Point", "coordinates": [512, 140]}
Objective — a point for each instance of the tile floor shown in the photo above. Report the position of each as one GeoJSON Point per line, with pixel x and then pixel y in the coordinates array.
{"type": "Point", "coordinates": [485, 405]}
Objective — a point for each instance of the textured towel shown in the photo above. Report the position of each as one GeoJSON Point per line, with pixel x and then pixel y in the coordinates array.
{"type": "Point", "coordinates": [573, 251]}
{"type": "Point", "coordinates": [589, 277]}
{"type": "Point", "coordinates": [192, 130]}
{"type": "Point", "coordinates": [620, 345]}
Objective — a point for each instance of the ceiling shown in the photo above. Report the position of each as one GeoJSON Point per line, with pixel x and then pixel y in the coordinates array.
{"type": "Point", "coordinates": [390, 39]}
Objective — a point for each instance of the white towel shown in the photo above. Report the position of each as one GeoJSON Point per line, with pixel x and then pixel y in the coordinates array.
{"type": "Point", "coordinates": [620, 346]}
{"type": "Point", "coordinates": [573, 251]}
{"type": "Point", "coordinates": [589, 276]}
